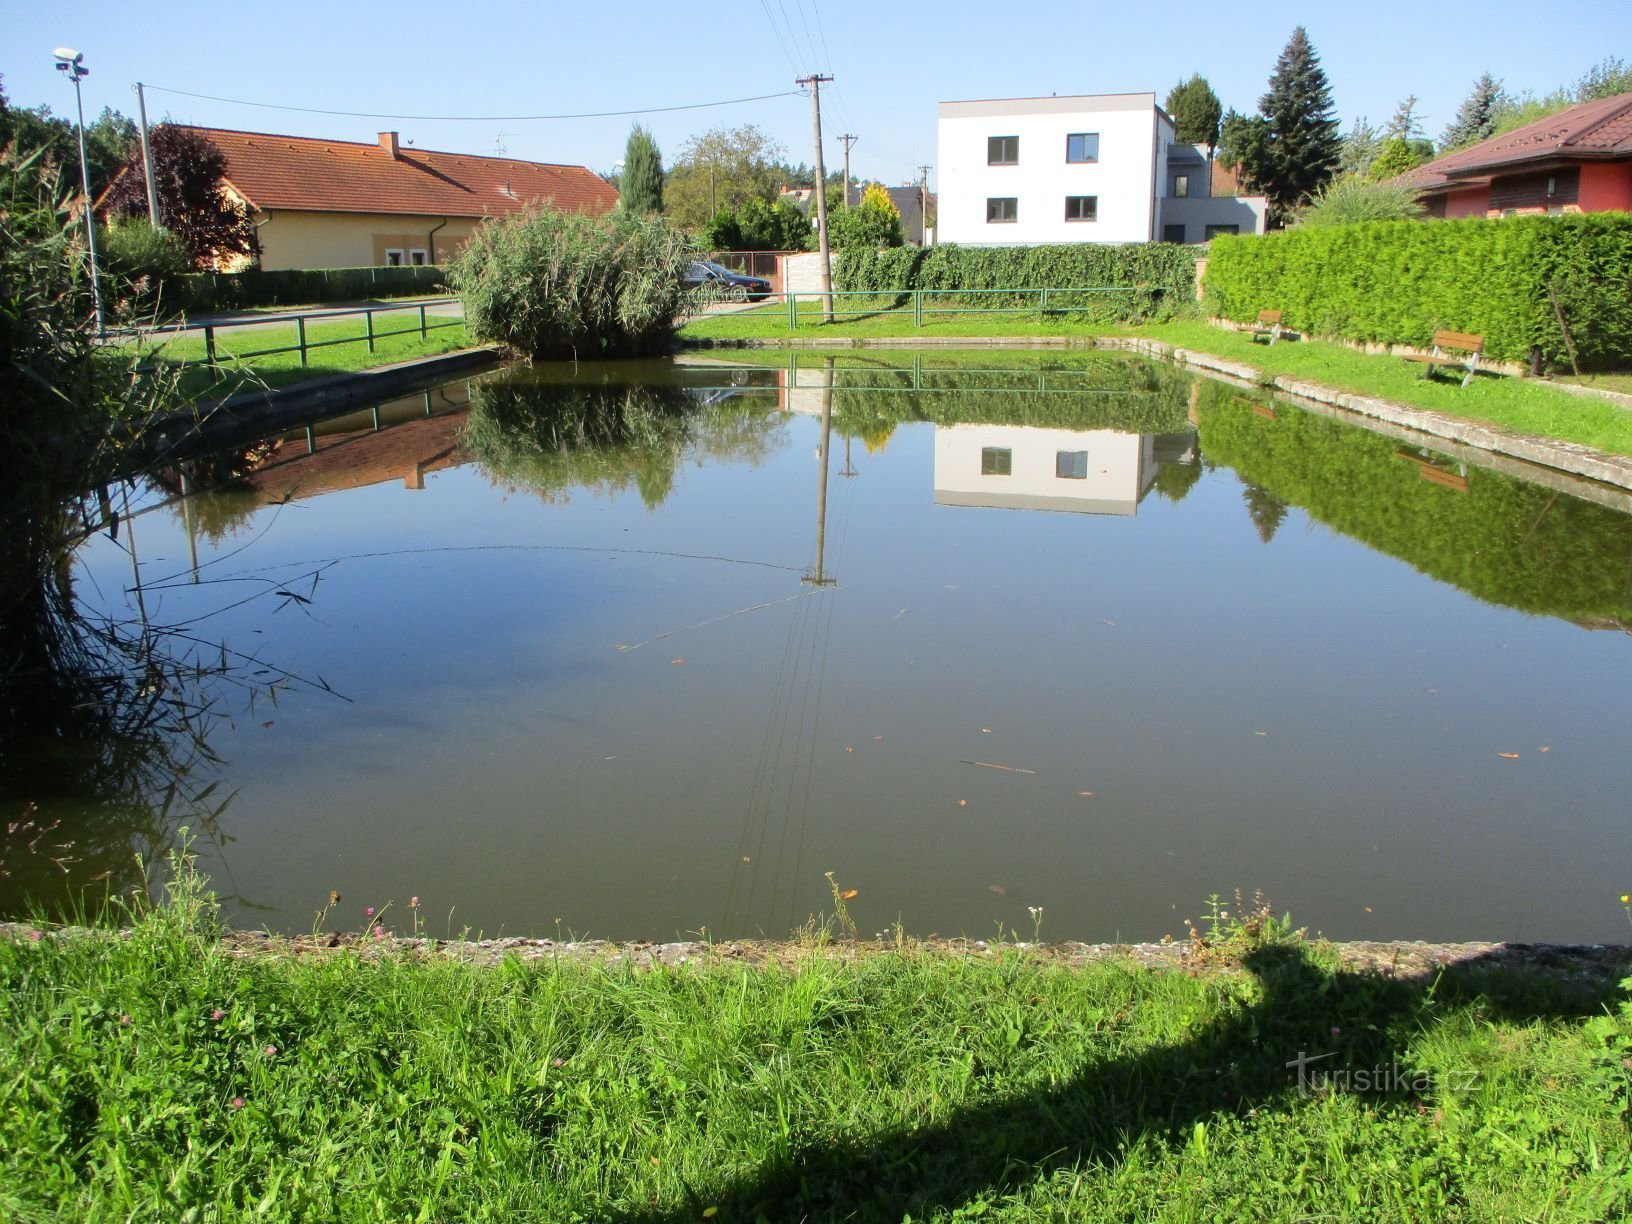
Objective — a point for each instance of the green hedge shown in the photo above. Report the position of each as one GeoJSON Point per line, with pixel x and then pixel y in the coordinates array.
{"type": "Point", "coordinates": [1165, 273]}
{"type": "Point", "coordinates": [1397, 282]}
{"type": "Point", "coordinates": [208, 291]}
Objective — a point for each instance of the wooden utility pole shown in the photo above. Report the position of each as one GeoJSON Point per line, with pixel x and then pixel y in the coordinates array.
{"type": "Point", "coordinates": [923, 205]}
{"type": "Point", "coordinates": [825, 269]}
{"type": "Point", "coordinates": [848, 141]}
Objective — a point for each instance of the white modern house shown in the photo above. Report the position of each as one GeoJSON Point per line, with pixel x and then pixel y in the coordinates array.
{"type": "Point", "coordinates": [1085, 168]}
{"type": "Point", "coordinates": [1018, 467]}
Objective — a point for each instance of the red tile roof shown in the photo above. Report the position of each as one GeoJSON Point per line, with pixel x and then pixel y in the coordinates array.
{"type": "Point", "coordinates": [1593, 130]}
{"type": "Point", "coordinates": [300, 172]}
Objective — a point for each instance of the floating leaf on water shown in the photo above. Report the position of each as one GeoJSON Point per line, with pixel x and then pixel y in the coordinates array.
{"type": "Point", "coordinates": [850, 894]}
{"type": "Point", "coordinates": [1106, 621]}
{"type": "Point", "coordinates": [1545, 748]}
{"type": "Point", "coordinates": [849, 748]}
{"type": "Point", "coordinates": [985, 730]}
{"type": "Point", "coordinates": [1368, 909]}
{"type": "Point", "coordinates": [1086, 794]}
{"type": "Point", "coordinates": [1260, 732]}
{"type": "Point", "coordinates": [676, 660]}
{"type": "Point", "coordinates": [963, 803]}
{"type": "Point", "coordinates": [746, 859]}
{"type": "Point", "coordinates": [1508, 756]}
{"type": "Point", "coordinates": [998, 889]}
{"type": "Point", "coordinates": [879, 737]}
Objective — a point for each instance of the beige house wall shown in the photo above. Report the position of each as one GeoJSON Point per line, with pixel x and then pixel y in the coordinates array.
{"type": "Point", "coordinates": [291, 239]}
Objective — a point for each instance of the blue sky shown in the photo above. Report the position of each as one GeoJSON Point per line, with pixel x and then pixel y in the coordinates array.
{"type": "Point", "coordinates": [893, 63]}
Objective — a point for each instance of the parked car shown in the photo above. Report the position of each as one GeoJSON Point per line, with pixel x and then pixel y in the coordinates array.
{"type": "Point", "coordinates": [726, 283]}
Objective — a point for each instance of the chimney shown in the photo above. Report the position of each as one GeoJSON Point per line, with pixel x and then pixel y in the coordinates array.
{"type": "Point", "coordinates": [388, 142]}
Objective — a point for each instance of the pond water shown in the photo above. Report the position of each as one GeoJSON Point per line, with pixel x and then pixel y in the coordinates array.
{"type": "Point", "coordinates": [597, 650]}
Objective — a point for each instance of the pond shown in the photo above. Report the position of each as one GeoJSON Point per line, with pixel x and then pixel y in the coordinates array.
{"type": "Point", "coordinates": [619, 651]}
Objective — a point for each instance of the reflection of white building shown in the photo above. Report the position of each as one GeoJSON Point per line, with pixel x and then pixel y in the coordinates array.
{"type": "Point", "coordinates": [1016, 467]}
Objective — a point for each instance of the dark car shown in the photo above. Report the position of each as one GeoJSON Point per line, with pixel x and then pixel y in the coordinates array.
{"type": "Point", "coordinates": [726, 283]}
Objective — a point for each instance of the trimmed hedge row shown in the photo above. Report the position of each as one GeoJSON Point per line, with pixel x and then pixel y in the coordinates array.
{"type": "Point", "coordinates": [203, 292]}
{"type": "Point", "coordinates": [1164, 271]}
{"type": "Point", "coordinates": [1397, 282]}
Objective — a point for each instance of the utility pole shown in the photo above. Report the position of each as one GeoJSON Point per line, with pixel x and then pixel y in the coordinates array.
{"type": "Point", "coordinates": [147, 159]}
{"type": "Point", "coordinates": [848, 141]}
{"type": "Point", "coordinates": [923, 204]}
{"type": "Point", "coordinates": [814, 80]}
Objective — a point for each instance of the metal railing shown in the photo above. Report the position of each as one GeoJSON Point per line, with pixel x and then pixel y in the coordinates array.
{"type": "Point", "coordinates": [303, 344]}
{"type": "Point", "coordinates": [924, 302]}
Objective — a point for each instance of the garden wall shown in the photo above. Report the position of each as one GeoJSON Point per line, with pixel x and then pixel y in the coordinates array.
{"type": "Point", "coordinates": [203, 292]}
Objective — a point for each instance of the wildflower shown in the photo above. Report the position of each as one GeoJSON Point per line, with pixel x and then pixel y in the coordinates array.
{"type": "Point", "coordinates": [369, 912]}
{"type": "Point", "coordinates": [1336, 1032]}
{"type": "Point", "coordinates": [334, 896]}
{"type": "Point", "coordinates": [558, 1062]}
{"type": "Point", "coordinates": [237, 1102]}
{"type": "Point", "coordinates": [413, 902]}
{"type": "Point", "coordinates": [36, 936]}
{"type": "Point", "coordinates": [1626, 899]}
{"type": "Point", "coordinates": [217, 1014]}
{"type": "Point", "coordinates": [379, 932]}
{"type": "Point", "coordinates": [124, 1019]}
{"type": "Point", "coordinates": [271, 1051]}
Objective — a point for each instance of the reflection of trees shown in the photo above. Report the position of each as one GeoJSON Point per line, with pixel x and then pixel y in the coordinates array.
{"type": "Point", "coordinates": [1079, 392]}
{"type": "Point", "coordinates": [102, 748]}
{"type": "Point", "coordinates": [607, 437]}
{"type": "Point", "coordinates": [1501, 539]}
{"type": "Point", "coordinates": [1266, 511]}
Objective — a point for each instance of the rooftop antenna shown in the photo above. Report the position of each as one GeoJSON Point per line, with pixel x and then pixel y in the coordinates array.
{"type": "Point", "coordinates": [499, 146]}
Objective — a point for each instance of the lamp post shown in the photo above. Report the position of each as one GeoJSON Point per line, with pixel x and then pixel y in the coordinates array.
{"type": "Point", "coordinates": [73, 63]}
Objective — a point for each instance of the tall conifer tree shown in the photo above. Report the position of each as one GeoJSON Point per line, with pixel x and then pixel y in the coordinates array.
{"type": "Point", "coordinates": [1196, 111]}
{"type": "Point", "coordinates": [1302, 149]}
{"type": "Point", "coordinates": [1476, 117]}
{"type": "Point", "coordinates": [641, 187]}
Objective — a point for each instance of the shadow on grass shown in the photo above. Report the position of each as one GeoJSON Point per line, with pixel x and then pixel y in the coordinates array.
{"type": "Point", "coordinates": [1346, 1027]}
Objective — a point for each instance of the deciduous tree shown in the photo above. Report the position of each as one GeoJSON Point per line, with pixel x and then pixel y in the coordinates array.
{"type": "Point", "coordinates": [722, 168]}
{"type": "Point", "coordinates": [190, 173]}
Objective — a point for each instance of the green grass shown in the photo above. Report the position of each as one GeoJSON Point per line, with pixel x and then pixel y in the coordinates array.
{"type": "Point", "coordinates": [1518, 405]}
{"type": "Point", "coordinates": [236, 373]}
{"type": "Point", "coordinates": [158, 1076]}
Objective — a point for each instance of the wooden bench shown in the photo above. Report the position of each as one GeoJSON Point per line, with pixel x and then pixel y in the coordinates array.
{"type": "Point", "coordinates": [1269, 324]}
{"type": "Point", "coordinates": [1453, 349]}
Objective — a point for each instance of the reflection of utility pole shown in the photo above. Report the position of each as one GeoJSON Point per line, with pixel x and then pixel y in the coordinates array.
{"type": "Point", "coordinates": [848, 141]}
{"type": "Point", "coordinates": [825, 270]}
{"type": "Point", "coordinates": [820, 578]}
{"type": "Point", "coordinates": [848, 469]}
{"type": "Point", "coordinates": [187, 518]}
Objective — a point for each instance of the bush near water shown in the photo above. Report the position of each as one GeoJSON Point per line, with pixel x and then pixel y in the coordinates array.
{"type": "Point", "coordinates": [548, 283]}
{"type": "Point", "coordinates": [1397, 282]}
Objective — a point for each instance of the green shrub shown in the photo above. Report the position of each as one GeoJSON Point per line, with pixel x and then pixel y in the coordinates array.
{"type": "Point", "coordinates": [1352, 198]}
{"type": "Point", "coordinates": [1162, 272]}
{"type": "Point", "coordinates": [874, 222]}
{"type": "Point", "coordinates": [204, 292]}
{"type": "Point", "coordinates": [139, 261]}
{"type": "Point", "coordinates": [549, 283]}
{"type": "Point", "coordinates": [1397, 282]}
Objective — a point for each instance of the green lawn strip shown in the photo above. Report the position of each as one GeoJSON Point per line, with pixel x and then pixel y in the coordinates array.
{"type": "Point", "coordinates": [1519, 405]}
{"type": "Point", "coordinates": [148, 1076]}
{"type": "Point", "coordinates": [1621, 383]}
{"type": "Point", "coordinates": [235, 372]}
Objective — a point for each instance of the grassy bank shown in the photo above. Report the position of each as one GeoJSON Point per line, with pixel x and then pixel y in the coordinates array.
{"type": "Point", "coordinates": [1519, 405]}
{"type": "Point", "coordinates": [235, 373]}
{"type": "Point", "coordinates": [156, 1074]}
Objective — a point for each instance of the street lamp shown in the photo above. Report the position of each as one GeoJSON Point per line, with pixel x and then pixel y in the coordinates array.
{"type": "Point", "coordinates": [73, 63]}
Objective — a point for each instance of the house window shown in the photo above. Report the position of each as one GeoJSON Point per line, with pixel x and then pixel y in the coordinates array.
{"type": "Point", "coordinates": [418, 258]}
{"type": "Point", "coordinates": [1214, 230]}
{"type": "Point", "coordinates": [1181, 186]}
{"type": "Point", "coordinates": [1082, 208]}
{"type": "Point", "coordinates": [1002, 209]}
{"type": "Point", "coordinates": [1071, 465]}
{"type": "Point", "coordinates": [393, 257]}
{"type": "Point", "coordinates": [1082, 147]}
{"type": "Point", "coordinates": [1002, 150]}
{"type": "Point", "coordinates": [1172, 233]}
{"type": "Point", "coordinates": [996, 461]}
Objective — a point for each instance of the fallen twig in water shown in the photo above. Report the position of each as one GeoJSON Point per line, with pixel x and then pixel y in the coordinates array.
{"type": "Point", "coordinates": [1004, 768]}
{"type": "Point", "coordinates": [714, 620]}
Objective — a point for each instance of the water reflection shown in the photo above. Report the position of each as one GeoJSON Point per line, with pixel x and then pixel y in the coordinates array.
{"type": "Point", "coordinates": [652, 646]}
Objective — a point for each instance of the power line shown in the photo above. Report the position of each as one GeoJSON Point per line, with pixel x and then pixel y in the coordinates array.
{"type": "Point", "coordinates": [313, 110]}
{"type": "Point", "coordinates": [777, 31]}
